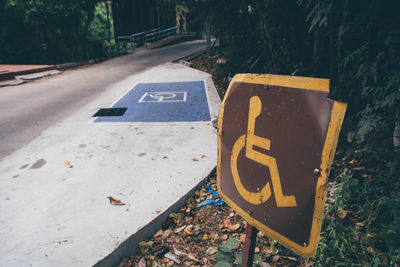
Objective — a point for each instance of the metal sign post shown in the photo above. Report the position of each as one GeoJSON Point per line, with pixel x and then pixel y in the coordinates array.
{"type": "Point", "coordinates": [276, 142]}
{"type": "Point", "coordinates": [249, 245]}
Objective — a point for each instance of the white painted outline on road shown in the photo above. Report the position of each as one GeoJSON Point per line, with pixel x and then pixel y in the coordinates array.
{"type": "Point", "coordinates": [208, 100]}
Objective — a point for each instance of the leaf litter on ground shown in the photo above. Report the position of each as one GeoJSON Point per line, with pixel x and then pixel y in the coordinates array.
{"type": "Point", "coordinates": [208, 235]}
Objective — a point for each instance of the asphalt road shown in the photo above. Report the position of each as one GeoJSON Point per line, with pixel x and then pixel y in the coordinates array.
{"type": "Point", "coordinates": [27, 110]}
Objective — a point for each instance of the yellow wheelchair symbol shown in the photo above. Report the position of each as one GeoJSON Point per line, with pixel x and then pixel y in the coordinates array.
{"type": "Point", "coordinates": [249, 140]}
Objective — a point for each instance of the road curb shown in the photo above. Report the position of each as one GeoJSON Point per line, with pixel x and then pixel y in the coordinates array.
{"type": "Point", "coordinates": [37, 75]}
{"type": "Point", "coordinates": [12, 82]}
{"type": "Point", "coordinates": [70, 65]}
{"type": "Point", "coordinates": [130, 245]}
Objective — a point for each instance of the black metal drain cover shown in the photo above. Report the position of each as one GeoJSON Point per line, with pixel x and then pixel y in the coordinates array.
{"type": "Point", "coordinates": [108, 112]}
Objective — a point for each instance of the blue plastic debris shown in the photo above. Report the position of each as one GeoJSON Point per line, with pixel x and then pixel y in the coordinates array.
{"type": "Point", "coordinates": [209, 189]}
{"type": "Point", "coordinates": [211, 201]}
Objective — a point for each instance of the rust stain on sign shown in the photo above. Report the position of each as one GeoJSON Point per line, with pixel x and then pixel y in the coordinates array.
{"type": "Point", "coordinates": [276, 142]}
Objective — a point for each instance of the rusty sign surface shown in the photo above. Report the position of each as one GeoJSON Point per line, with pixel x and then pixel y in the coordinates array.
{"type": "Point", "coordinates": [276, 142]}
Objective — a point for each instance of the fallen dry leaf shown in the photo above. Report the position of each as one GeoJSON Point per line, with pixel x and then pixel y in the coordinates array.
{"type": "Point", "coordinates": [234, 227]}
{"type": "Point", "coordinates": [116, 202]}
{"type": "Point", "coordinates": [211, 250]}
{"type": "Point", "coordinates": [142, 263]}
{"type": "Point", "coordinates": [224, 237]}
{"type": "Point", "coordinates": [189, 230]}
{"type": "Point", "coordinates": [160, 232]}
{"type": "Point", "coordinates": [166, 233]}
{"type": "Point", "coordinates": [179, 253]}
{"type": "Point", "coordinates": [143, 244]}
{"type": "Point", "coordinates": [193, 258]}
{"type": "Point", "coordinates": [242, 238]}
{"type": "Point", "coordinates": [180, 229]}
{"type": "Point", "coordinates": [341, 212]}
{"type": "Point", "coordinates": [358, 168]}
{"type": "Point", "coordinates": [291, 258]}
{"type": "Point", "coordinates": [275, 258]}
{"type": "Point", "coordinates": [214, 235]}
{"type": "Point", "coordinates": [205, 237]}
{"type": "Point", "coordinates": [68, 164]}
{"type": "Point", "coordinates": [227, 221]}
{"type": "Point", "coordinates": [172, 257]}
{"type": "Point", "coordinates": [270, 250]}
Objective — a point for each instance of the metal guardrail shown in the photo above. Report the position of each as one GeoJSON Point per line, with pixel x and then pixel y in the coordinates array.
{"type": "Point", "coordinates": [150, 36]}
{"type": "Point", "coordinates": [161, 34]}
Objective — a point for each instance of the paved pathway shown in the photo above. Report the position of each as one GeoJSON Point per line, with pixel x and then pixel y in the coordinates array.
{"type": "Point", "coordinates": [149, 158]}
{"type": "Point", "coordinates": [28, 109]}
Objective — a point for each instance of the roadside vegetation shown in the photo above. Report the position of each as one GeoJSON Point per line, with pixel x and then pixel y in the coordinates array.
{"type": "Point", "coordinates": [353, 43]}
{"type": "Point", "coordinates": [55, 31]}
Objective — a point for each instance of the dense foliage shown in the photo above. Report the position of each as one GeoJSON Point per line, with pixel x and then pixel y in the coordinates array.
{"type": "Point", "coordinates": [52, 31]}
{"type": "Point", "coordinates": [353, 43]}
{"type": "Point", "coordinates": [356, 45]}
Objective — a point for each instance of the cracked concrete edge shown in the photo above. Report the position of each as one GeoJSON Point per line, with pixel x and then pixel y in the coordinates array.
{"type": "Point", "coordinates": [130, 245]}
{"type": "Point", "coordinates": [20, 79]}
{"type": "Point", "coordinates": [12, 82]}
{"type": "Point", "coordinates": [37, 75]}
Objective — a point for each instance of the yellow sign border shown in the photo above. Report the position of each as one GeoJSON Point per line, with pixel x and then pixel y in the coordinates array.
{"type": "Point", "coordinates": [328, 153]}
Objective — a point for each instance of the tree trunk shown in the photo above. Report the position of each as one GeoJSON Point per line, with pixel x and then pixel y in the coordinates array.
{"type": "Point", "coordinates": [315, 52]}
{"type": "Point", "coordinates": [108, 22]}
{"type": "Point", "coordinates": [396, 137]}
{"type": "Point", "coordinates": [90, 6]}
{"type": "Point", "coordinates": [208, 37]}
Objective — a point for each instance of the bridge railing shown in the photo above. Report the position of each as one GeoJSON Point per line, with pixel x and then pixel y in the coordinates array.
{"type": "Point", "coordinates": [160, 34]}
{"type": "Point", "coordinates": [150, 36]}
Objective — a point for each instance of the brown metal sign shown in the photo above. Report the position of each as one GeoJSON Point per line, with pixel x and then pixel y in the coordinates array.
{"type": "Point", "coordinates": [276, 142]}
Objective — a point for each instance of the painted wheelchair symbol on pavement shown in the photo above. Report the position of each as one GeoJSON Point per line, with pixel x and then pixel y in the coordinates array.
{"type": "Point", "coordinates": [250, 141]}
{"type": "Point", "coordinates": [180, 96]}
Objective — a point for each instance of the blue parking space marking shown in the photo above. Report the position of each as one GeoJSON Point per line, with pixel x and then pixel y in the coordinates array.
{"type": "Point", "coordinates": [163, 102]}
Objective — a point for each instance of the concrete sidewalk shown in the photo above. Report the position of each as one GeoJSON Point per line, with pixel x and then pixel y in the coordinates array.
{"type": "Point", "coordinates": [8, 71]}
{"type": "Point", "coordinates": [52, 215]}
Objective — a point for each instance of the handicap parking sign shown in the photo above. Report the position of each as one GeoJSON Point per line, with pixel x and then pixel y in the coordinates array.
{"type": "Point", "coordinates": [163, 102]}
